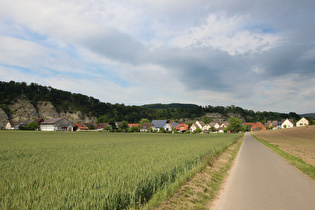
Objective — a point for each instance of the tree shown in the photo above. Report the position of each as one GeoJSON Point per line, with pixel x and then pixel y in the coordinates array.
{"type": "Point", "coordinates": [123, 125]}
{"type": "Point", "coordinates": [235, 125]}
{"type": "Point", "coordinates": [134, 129]}
{"type": "Point", "coordinates": [32, 126]}
{"type": "Point", "coordinates": [206, 119]}
{"type": "Point", "coordinates": [91, 127]}
{"type": "Point", "coordinates": [112, 124]}
{"type": "Point", "coordinates": [213, 130]}
{"type": "Point", "coordinates": [102, 119]}
{"type": "Point", "coordinates": [162, 130]}
{"type": "Point", "coordinates": [143, 120]}
{"type": "Point", "coordinates": [198, 130]}
{"type": "Point", "coordinates": [310, 120]}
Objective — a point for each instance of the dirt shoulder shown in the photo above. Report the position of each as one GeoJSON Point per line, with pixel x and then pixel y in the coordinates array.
{"type": "Point", "coordinates": [202, 189]}
{"type": "Point", "coordinates": [299, 141]}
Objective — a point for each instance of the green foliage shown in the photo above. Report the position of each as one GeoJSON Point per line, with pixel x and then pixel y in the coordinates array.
{"type": "Point", "coordinates": [212, 129]}
{"type": "Point", "coordinates": [206, 119]}
{"type": "Point", "coordinates": [123, 125]}
{"type": "Point", "coordinates": [198, 130]}
{"type": "Point", "coordinates": [47, 170]}
{"type": "Point", "coordinates": [91, 127]}
{"type": "Point", "coordinates": [112, 124]}
{"type": "Point", "coordinates": [144, 120]}
{"type": "Point", "coordinates": [32, 126]}
{"type": "Point", "coordinates": [102, 119]}
{"type": "Point", "coordinates": [310, 120]}
{"type": "Point", "coordinates": [134, 129]}
{"type": "Point", "coordinates": [235, 125]}
{"type": "Point", "coordinates": [73, 102]}
{"type": "Point", "coordinates": [162, 130]}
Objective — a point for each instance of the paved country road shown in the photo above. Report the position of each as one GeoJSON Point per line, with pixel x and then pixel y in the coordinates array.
{"type": "Point", "coordinates": [260, 179]}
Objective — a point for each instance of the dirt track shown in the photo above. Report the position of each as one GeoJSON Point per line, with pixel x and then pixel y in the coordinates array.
{"type": "Point", "coordinates": [260, 179]}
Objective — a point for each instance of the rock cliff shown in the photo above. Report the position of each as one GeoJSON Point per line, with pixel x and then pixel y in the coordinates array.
{"type": "Point", "coordinates": [3, 118]}
{"type": "Point", "coordinates": [22, 109]}
{"type": "Point", "coordinates": [46, 110]}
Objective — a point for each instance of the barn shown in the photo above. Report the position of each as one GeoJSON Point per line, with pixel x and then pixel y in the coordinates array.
{"type": "Point", "coordinates": [57, 124]}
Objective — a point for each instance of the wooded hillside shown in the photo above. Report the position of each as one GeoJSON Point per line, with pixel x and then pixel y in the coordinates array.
{"type": "Point", "coordinates": [65, 101]}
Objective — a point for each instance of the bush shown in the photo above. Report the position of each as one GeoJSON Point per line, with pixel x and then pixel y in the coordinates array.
{"type": "Point", "coordinates": [32, 126]}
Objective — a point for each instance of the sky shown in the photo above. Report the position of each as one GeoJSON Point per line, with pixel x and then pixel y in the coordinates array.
{"type": "Point", "coordinates": [258, 55]}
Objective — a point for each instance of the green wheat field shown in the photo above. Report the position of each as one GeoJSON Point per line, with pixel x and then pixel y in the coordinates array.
{"type": "Point", "coordinates": [64, 170]}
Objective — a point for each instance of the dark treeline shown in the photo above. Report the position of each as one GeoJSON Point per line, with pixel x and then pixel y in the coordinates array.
{"type": "Point", "coordinates": [65, 101]}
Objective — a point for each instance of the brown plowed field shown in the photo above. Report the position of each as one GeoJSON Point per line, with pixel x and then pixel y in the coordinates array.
{"type": "Point", "coordinates": [299, 141]}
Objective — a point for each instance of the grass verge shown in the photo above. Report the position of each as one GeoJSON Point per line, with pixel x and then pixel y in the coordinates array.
{"type": "Point", "coordinates": [293, 160]}
{"type": "Point", "coordinates": [201, 185]}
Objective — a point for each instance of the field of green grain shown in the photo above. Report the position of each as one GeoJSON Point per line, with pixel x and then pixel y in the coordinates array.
{"type": "Point", "coordinates": [63, 170]}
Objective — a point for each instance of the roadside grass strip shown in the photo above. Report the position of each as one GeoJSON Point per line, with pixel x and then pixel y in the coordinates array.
{"type": "Point", "coordinates": [293, 160]}
{"type": "Point", "coordinates": [202, 185]}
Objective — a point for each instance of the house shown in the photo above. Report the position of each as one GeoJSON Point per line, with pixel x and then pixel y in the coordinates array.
{"type": "Point", "coordinates": [216, 125]}
{"type": "Point", "coordinates": [272, 124]}
{"type": "Point", "coordinates": [174, 125]}
{"type": "Point", "coordinates": [182, 127]}
{"type": "Point", "coordinates": [158, 124]}
{"type": "Point", "coordinates": [146, 127]}
{"type": "Point", "coordinates": [287, 123]}
{"type": "Point", "coordinates": [206, 127]}
{"type": "Point", "coordinates": [57, 124]}
{"type": "Point", "coordinates": [193, 127]}
{"type": "Point", "coordinates": [197, 124]}
{"type": "Point", "coordinates": [117, 124]}
{"type": "Point", "coordinates": [101, 126]}
{"type": "Point", "coordinates": [258, 126]}
{"type": "Point", "coordinates": [82, 126]}
{"type": "Point", "coordinates": [12, 125]}
{"type": "Point", "coordinates": [212, 124]}
{"type": "Point", "coordinates": [39, 121]}
{"type": "Point", "coordinates": [224, 124]}
{"type": "Point", "coordinates": [249, 125]}
{"type": "Point", "coordinates": [133, 125]}
{"type": "Point", "coordinates": [200, 124]}
{"type": "Point", "coordinates": [220, 129]}
{"type": "Point", "coordinates": [302, 122]}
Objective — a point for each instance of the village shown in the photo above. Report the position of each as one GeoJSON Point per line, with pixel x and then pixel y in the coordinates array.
{"type": "Point", "coordinates": [62, 124]}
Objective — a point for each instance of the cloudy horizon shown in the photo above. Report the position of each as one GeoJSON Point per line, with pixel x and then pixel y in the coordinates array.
{"type": "Point", "coordinates": [258, 55]}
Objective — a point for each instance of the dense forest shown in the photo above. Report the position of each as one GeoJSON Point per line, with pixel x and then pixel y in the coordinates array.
{"type": "Point", "coordinates": [65, 101]}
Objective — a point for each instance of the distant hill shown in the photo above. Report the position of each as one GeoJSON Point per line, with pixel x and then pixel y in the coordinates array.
{"type": "Point", "coordinates": [19, 100]}
{"type": "Point", "coordinates": [307, 115]}
{"type": "Point", "coordinates": [170, 106]}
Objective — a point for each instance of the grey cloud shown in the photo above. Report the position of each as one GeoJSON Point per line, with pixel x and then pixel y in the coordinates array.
{"type": "Point", "coordinates": [116, 45]}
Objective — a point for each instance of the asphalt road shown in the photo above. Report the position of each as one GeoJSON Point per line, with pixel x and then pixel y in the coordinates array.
{"type": "Point", "coordinates": [260, 179]}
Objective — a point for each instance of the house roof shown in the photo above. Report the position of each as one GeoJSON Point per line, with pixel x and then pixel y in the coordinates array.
{"type": "Point", "coordinates": [159, 123]}
{"type": "Point", "coordinates": [39, 120]}
{"type": "Point", "coordinates": [182, 126]}
{"type": "Point", "coordinates": [250, 123]}
{"type": "Point", "coordinates": [212, 124]}
{"type": "Point", "coordinates": [290, 120]}
{"type": "Point", "coordinates": [146, 125]}
{"type": "Point", "coordinates": [102, 125]}
{"type": "Point", "coordinates": [14, 123]}
{"type": "Point", "coordinates": [133, 124]}
{"type": "Point", "coordinates": [201, 123]}
{"type": "Point", "coordinates": [174, 125]}
{"type": "Point", "coordinates": [51, 121]}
